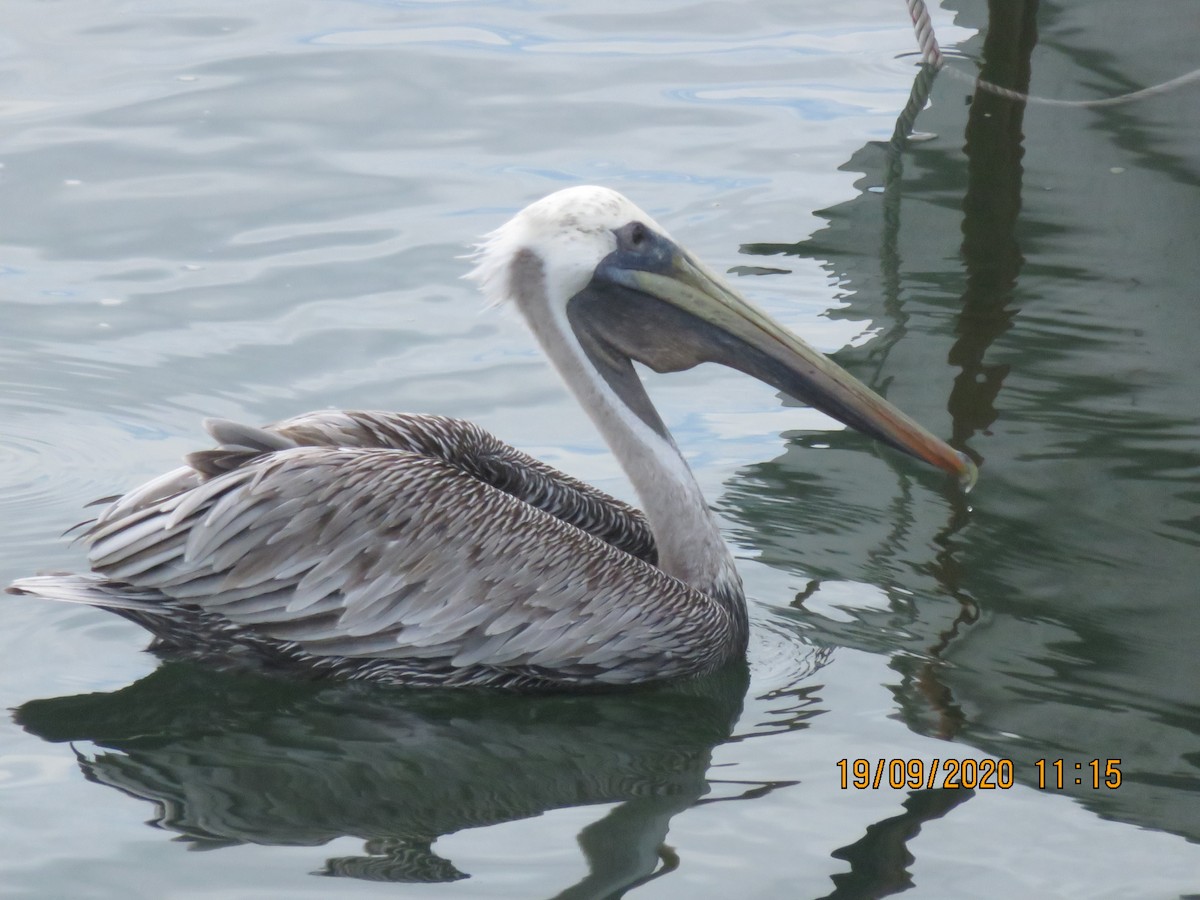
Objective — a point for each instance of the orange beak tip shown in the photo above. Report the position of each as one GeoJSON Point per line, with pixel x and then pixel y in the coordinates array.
{"type": "Point", "coordinates": [968, 474]}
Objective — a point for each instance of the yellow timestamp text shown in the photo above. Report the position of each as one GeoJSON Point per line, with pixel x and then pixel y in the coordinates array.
{"type": "Point", "coordinates": [1055, 774]}
{"type": "Point", "coordinates": [919, 773]}
{"type": "Point", "coordinates": [974, 774]}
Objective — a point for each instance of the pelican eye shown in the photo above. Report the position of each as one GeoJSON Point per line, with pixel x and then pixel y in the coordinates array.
{"type": "Point", "coordinates": [634, 236]}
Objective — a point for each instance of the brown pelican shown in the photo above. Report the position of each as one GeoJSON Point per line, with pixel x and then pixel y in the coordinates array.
{"type": "Point", "coordinates": [421, 550]}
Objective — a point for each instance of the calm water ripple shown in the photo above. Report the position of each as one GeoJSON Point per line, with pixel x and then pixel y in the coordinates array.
{"type": "Point", "coordinates": [255, 211]}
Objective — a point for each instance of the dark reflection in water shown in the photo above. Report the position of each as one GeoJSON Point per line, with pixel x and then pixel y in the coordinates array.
{"type": "Point", "coordinates": [992, 262]}
{"type": "Point", "coordinates": [234, 759]}
{"type": "Point", "coordinates": [1056, 616]}
{"type": "Point", "coordinates": [990, 249]}
{"type": "Point", "coordinates": [879, 860]}
{"type": "Point", "coordinates": [231, 759]}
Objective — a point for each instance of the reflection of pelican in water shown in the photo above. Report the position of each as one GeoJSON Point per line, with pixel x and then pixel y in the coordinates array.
{"type": "Point", "coordinates": [421, 550]}
{"type": "Point", "coordinates": [231, 760]}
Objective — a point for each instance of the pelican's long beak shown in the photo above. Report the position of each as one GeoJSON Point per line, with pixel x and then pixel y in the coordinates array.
{"type": "Point", "coordinates": [766, 350]}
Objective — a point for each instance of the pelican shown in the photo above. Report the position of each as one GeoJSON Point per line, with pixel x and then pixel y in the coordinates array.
{"type": "Point", "coordinates": [421, 550]}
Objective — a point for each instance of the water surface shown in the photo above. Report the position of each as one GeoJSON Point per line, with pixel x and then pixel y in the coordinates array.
{"type": "Point", "coordinates": [254, 210]}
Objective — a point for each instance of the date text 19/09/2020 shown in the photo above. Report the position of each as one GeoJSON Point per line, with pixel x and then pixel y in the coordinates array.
{"type": "Point", "coordinates": [978, 774]}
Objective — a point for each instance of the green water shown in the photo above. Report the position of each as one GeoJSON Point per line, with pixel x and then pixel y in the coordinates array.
{"type": "Point", "coordinates": [252, 211]}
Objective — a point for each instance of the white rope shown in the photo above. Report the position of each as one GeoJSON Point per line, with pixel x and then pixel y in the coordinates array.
{"type": "Point", "coordinates": [931, 55]}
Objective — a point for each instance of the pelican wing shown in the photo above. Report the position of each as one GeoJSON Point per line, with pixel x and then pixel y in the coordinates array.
{"type": "Point", "coordinates": [365, 552]}
{"type": "Point", "coordinates": [458, 442]}
{"type": "Point", "coordinates": [475, 451]}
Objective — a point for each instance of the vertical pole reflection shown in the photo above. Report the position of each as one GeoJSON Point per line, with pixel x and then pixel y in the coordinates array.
{"type": "Point", "coordinates": [990, 251]}
{"type": "Point", "coordinates": [992, 258]}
